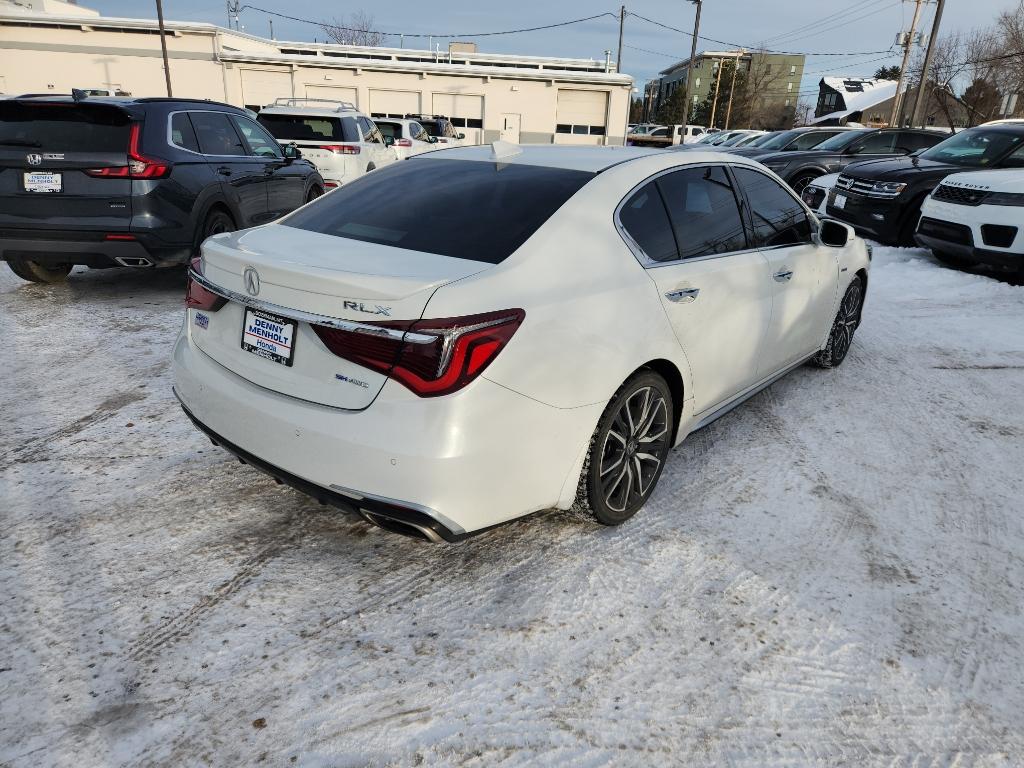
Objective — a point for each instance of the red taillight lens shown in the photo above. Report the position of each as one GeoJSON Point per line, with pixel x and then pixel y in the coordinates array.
{"type": "Point", "coordinates": [139, 166]}
{"type": "Point", "coordinates": [403, 143]}
{"type": "Point", "coordinates": [340, 149]}
{"type": "Point", "coordinates": [115, 236]}
{"type": "Point", "coordinates": [430, 357]}
{"type": "Point", "coordinates": [197, 297]}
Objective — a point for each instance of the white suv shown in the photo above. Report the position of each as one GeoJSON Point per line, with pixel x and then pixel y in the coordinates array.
{"type": "Point", "coordinates": [409, 137]}
{"type": "Point", "coordinates": [338, 139]}
{"type": "Point", "coordinates": [441, 128]}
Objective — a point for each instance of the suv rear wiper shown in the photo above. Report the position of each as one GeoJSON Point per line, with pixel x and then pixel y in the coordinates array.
{"type": "Point", "coordinates": [19, 143]}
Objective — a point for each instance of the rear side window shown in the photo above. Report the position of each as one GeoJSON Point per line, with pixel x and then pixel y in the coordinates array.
{"type": "Point", "coordinates": [810, 140]}
{"type": "Point", "coordinates": [299, 128]}
{"type": "Point", "coordinates": [466, 209]}
{"type": "Point", "coordinates": [704, 212]}
{"type": "Point", "coordinates": [644, 217]}
{"type": "Point", "coordinates": [394, 130]}
{"type": "Point", "coordinates": [876, 144]}
{"type": "Point", "coordinates": [778, 218]}
{"type": "Point", "coordinates": [182, 133]}
{"type": "Point", "coordinates": [63, 127]}
{"type": "Point", "coordinates": [215, 134]}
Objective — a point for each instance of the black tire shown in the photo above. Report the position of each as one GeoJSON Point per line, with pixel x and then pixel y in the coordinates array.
{"type": "Point", "coordinates": [217, 221]}
{"type": "Point", "coordinates": [950, 260]}
{"type": "Point", "coordinates": [905, 238]}
{"type": "Point", "coordinates": [840, 337]}
{"type": "Point", "coordinates": [611, 496]}
{"type": "Point", "coordinates": [35, 272]}
{"type": "Point", "coordinates": [313, 194]}
{"type": "Point", "coordinates": [802, 180]}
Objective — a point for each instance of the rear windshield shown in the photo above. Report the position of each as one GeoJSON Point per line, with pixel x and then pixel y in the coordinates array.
{"type": "Point", "coordinates": [299, 128]}
{"type": "Point", "coordinates": [467, 209]}
{"type": "Point", "coordinates": [63, 127]}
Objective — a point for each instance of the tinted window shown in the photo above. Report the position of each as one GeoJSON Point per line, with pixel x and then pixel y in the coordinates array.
{"type": "Point", "coordinates": [911, 142]}
{"type": "Point", "coordinates": [182, 133]}
{"type": "Point", "coordinates": [297, 128]}
{"type": "Point", "coordinates": [1015, 160]}
{"type": "Point", "coordinates": [842, 140]}
{"type": "Point", "coordinates": [779, 140]}
{"type": "Point", "coordinates": [508, 203]}
{"type": "Point", "coordinates": [63, 128]}
{"type": "Point", "coordinates": [810, 139]}
{"type": "Point", "coordinates": [394, 130]}
{"type": "Point", "coordinates": [704, 213]}
{"type": "Point", "coordinates": [370, 132]}
{"type": "Point", "coordinates": [215, 134]}
{"type": "Point", "coordinates": [431, 127]}
{"type": "Point", "coordinates": [778, 218]}
{"type": "Point", "coordinates": [261, 143]}
{"type": "Point", "coordinates": [349, 129]}
{"type": "Point", "coordinates": [416, 132]}
{"type": "Point", "coordinates": [975, 148]}
{"type": "Point", "coordinates": [878, 144]}
{"type": "Point", "coordinates": [644, 217]}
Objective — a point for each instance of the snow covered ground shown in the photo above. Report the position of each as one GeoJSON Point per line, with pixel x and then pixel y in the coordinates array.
{"type": "Point", "coordinates": [829, 575]}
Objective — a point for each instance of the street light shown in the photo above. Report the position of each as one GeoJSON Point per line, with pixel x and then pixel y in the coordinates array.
{"type": "Point", "coordinates": [689, 70]}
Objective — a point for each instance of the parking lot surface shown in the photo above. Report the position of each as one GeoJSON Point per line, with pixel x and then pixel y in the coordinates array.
{"type": "Point", "coordinates": [829, 575]}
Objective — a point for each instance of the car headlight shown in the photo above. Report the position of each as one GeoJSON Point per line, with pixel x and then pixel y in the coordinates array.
{"type": "Point", "coordinates": [1003, 198]}
{"type": "Point", "coordinates": [888, 188]}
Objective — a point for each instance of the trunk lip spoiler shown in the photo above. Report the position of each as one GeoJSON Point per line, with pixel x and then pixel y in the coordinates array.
{"type": "Point", "coordinates": [310, 317]}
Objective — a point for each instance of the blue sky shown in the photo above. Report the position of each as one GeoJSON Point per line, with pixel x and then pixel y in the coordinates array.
{"type": "Point", "coordinates": [842, 26]}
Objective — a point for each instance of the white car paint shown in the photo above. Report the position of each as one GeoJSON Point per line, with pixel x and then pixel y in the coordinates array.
{"type": "Point", "coordinates": [513, 440]}
{"type": "Point", "coordinates": [409, 136]}
{"type": "Point", "coordinates": [355, 148]}
{"type": "Point", "coordinates": [957, 205]}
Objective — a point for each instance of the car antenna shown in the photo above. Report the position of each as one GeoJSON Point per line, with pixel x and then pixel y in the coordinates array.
{"type": "Point", "coordinates": [78, 94]}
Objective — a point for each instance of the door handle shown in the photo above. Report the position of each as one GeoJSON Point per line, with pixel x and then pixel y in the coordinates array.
{"type": "Point", "coordinates": [783, 276]}
{"type": "Point", "coordinates": [683, 295]}
{"type": "Point", "coordinates": [224, 171]}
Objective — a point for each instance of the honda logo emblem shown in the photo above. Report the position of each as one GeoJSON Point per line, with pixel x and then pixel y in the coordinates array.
{"type": "Point", "coordinates": [252, 281]}
{"type": "Point", "coordinates": [34, 159]}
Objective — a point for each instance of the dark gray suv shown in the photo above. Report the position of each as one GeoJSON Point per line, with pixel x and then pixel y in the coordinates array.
{"type": "Point", "coordinates": [134, 182]}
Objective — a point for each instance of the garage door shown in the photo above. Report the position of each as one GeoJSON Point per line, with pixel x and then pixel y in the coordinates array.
{"type": "Point", "coordinates": [466, 112]}
{"type": "Point", "coordinates": [394, 103]}
{"type": "Point", "coordinates": [260, 86]}
{"type": "Point", "coordinates": [332, 92]}
{"type": "Point", "coordinates": [580, 118]}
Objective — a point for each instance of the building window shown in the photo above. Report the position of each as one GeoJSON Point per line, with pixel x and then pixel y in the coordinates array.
{"type": "Point", "coordinates": [792, 69]}
{"type": "Point", "coordinates": [789, 86]}
{"type": "Point", "coordinates": [580, 130]}
{"type": "Point", "coordinates": [696, 83]}
{"type": "Point", "coordinates": [694, 98]}
{"type": "Point", "coordinates": [787, 102]}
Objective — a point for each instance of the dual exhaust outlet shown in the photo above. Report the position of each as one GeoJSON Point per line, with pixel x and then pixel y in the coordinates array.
{"type": "Point", "coordinates": [133, 261]}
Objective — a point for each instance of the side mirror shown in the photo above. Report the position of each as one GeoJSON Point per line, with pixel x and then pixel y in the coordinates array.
{"type": "Point", "coordinates": [462, 136]}
{"type": "Point", "coordinates": [291, 152]}
{"type": "Point", "coordinates": [432, 139]}
{"type": "Point", "coordinates": [833, 233]}
{"type": "Point", "coordinates": [389, 141]}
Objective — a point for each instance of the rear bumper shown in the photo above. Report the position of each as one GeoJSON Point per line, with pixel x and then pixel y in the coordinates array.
{"type": "Point", "coordinates": [88, 248]}
{"type": "Point", "coordinates": [454, 465]}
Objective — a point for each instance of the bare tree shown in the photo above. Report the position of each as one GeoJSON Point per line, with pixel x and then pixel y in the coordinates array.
{"type": "Point", "coordinates": [764, 95]}
{"type": "Point", "coordinates": [357, 29]}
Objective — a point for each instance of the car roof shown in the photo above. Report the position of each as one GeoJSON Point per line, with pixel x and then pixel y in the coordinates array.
{"type": "Point", "coordinates": [589, 159]}
{"type": "Point", "coordinates": [122, 101]}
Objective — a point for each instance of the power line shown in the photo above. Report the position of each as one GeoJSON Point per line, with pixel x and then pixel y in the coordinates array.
{"type": "Point", "coordinates": [839, 25]}
{"type": "Point", "coordinates": [823, 20]}
{"type": "Point", "coordinates": [434, 34]}
{"type": "Point", "coordinates": [754, 47]}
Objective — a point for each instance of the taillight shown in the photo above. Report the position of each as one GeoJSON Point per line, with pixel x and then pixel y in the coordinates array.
{"type": "Point", "coordinates": [196, 296]}
{"type": "Point", "coordinates": [139, 166]}
{"type": "Point", "coordinates": [403, 143]}
{"type": "Point", "coordinates": [429, 357]}
{"type": "Point", "coordinates": [341, 149]}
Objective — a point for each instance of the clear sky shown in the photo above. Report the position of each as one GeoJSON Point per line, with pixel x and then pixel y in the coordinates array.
{"type": "Point", "coordinates": [812, 26]}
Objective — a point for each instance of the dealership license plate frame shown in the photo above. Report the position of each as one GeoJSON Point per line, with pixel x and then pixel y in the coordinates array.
{"type": "Point", "coordinates": [271, 348]}
{"type": "Point", "coordinates": [31, 182]}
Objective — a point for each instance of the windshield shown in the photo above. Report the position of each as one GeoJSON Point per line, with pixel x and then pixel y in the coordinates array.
{"type": "Point", "coordinates": [780, 140]}
{"type": "Point", "coordinates": [764, 138]}
{"type": "Point", "coordinates": [300, 128]}
{"type": "Point", "coordinates": [842, 140]}
{"type": "Point", "coordinates": [509, 202]}
{"type": "Point", "coordinates": [732, 141]}
{"type": "Point", "coordinates": [975, 148]}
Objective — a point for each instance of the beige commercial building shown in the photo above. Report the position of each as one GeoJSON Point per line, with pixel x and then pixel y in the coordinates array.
{"type": "Point", "coordinates": [49, 46]}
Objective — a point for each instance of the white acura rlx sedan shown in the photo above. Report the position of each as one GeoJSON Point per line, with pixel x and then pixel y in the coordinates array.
{"type": "Point", "coordinates": [533, 328]}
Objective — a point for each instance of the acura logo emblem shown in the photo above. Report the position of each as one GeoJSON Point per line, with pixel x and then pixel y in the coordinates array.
{"type": "Point", "coordinates": [34, 159]}
{"type": "Point", "coordinates": [252, 281]}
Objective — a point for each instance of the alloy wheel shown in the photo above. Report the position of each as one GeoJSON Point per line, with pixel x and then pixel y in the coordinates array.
{"type": "Point", "coordinates": [846, 322]}
{"type": "Point", "coordinates": [633, 449]}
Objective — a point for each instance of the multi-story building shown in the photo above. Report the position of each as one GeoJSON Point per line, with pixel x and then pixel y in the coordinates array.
{"type": "Point", "coordinates": [772, 78]}
{"type": "Point", "coordinates": [51, 46]}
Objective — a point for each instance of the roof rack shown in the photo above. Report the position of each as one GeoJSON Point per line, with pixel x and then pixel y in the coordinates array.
{"type": "Point", "coordinates": [339, 106]}
{"type": "Point", "coordinates": [427, 117]}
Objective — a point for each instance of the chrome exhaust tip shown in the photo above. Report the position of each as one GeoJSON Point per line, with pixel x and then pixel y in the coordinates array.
{"type": "Point", "coordinates": [133, 261]}
{"type": "Point", "coordinates": [401, 527]}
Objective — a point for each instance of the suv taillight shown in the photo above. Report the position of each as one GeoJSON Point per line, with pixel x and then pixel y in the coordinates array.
{"type": "Point", "coordinates": [139, 166]}
{"type": "Point", "coordinates": [429, 357]}
{"type": "Point", "coordinates": [341, 149]}
{"type": "Point", "coordinates": [403, 143]}
{"type": "Point", "coordinates": [197, 297]}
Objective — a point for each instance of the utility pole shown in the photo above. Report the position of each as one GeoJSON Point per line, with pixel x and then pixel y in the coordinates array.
{"type": "Point", "coordinates": [714, 103]}
{"type": "Point", "coordinates": [732, 86]}
{"type": "Point", "coordinates": [919, 101]}
{"type": "Point", "coordinates": [271, 29]}
{"type": "Point", "coordinates": [622, 24]}
{"type": "Point", "coordinates": [163, 44]}
{"type": "Point", "coordinates": [689, 70]}
{"type": "Point", "coordinates": [897, 102]}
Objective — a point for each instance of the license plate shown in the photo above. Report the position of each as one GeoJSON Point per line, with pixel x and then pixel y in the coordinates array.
{"type": "Point", "coordinates": [840, 201]}
{"type": "Point", "coordinates": [269, 336]}
{"type": "Point", "coordinates": [44, 182]}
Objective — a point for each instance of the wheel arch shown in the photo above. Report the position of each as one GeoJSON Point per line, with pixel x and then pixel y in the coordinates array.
{"type": "Point", "coordinates": [211, 205]}
{"type": "Point", "coordinates": [674, 378]}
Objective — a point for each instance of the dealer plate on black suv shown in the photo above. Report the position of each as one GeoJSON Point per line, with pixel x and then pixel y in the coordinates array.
{"type": "Point", "coordinates": [269, 336]}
